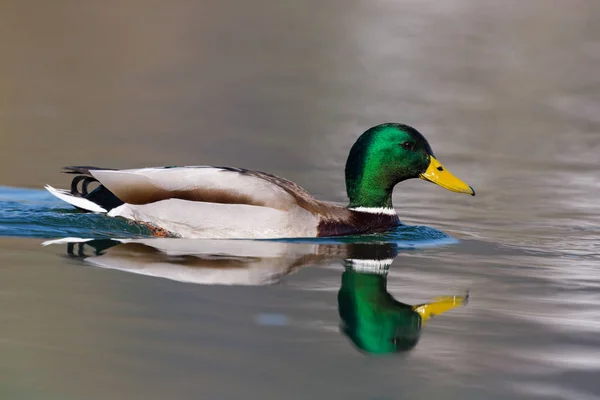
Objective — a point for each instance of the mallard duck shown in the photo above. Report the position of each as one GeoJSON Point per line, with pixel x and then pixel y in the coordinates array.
{"type": "Point", "coordinates": [228, 202]}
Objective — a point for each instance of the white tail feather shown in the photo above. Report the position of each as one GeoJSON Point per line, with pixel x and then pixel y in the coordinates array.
{"type": "Point", "coordinates": [65, 240]}
{"type": "Point", "coordinates": [80, 202]}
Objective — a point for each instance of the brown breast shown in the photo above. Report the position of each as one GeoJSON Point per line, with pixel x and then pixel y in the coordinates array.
{"type": "Point", "coordinates": [357, 223]}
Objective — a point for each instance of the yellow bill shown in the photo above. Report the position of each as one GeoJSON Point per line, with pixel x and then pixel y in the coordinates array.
{"type": "Point", "coordinates": [440, 306]}
{"type": "Point", "coordinates": [439, 175]}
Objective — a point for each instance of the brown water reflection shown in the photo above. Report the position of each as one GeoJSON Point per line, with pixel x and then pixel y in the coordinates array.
{"type": "Point", "coordinates": [506, 92]}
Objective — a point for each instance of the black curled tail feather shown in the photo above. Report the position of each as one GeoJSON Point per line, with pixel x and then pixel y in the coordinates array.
{"type": "Point", "coordinates": [100, 195]}
{"type": "Point", "coordinates": [84, 186]}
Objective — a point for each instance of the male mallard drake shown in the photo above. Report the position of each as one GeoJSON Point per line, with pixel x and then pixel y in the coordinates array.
{"type": "Point", "coordinates": [226, 202]}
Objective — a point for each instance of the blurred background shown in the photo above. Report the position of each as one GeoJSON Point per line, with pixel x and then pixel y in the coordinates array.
{"type": "Point", "coordinates": [507, 93]}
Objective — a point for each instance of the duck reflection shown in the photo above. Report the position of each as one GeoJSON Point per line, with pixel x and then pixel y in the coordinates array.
{"type": "Point", "coordinates": [209, 262]}
{"type": "Point", "coordinates": [371, 318]}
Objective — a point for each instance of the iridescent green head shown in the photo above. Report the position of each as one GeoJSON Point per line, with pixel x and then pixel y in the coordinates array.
{"type": "Point", "coordinates": [388, 154]}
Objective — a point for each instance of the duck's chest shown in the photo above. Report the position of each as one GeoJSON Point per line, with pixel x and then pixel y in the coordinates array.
{"type": "Point", "coordinates": [358, 223]}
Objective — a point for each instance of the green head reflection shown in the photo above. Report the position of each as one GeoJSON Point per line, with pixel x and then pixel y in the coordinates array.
{"type": "Point", "coordinates": [371, 318]}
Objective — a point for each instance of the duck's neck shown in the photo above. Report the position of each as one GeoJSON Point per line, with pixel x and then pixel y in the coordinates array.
{"type": "Point", "coordinates": [369, 190]}
{"type": "Point", "coordinates": [368, 183]}
{"type": "Point", "coordinates": [371, 198]}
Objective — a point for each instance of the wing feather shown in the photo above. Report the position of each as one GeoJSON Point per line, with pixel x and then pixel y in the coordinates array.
{"type": "Point", "coordinates": [203, 183]}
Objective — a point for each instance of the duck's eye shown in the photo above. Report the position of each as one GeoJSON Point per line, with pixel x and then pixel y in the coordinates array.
{"type": "Point", "coordinates": [408, 146]}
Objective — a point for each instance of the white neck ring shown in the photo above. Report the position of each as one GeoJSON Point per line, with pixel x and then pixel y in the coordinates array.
{"type": "Point", "coordinates": [375, 210]}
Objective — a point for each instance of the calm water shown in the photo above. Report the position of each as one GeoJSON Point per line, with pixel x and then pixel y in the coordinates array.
{"type": "Point", "coordinates": [507, 94]}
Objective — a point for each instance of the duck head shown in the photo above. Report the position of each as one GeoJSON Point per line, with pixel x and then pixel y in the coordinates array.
{"type": "Point", "coordinates": [390, 153]}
